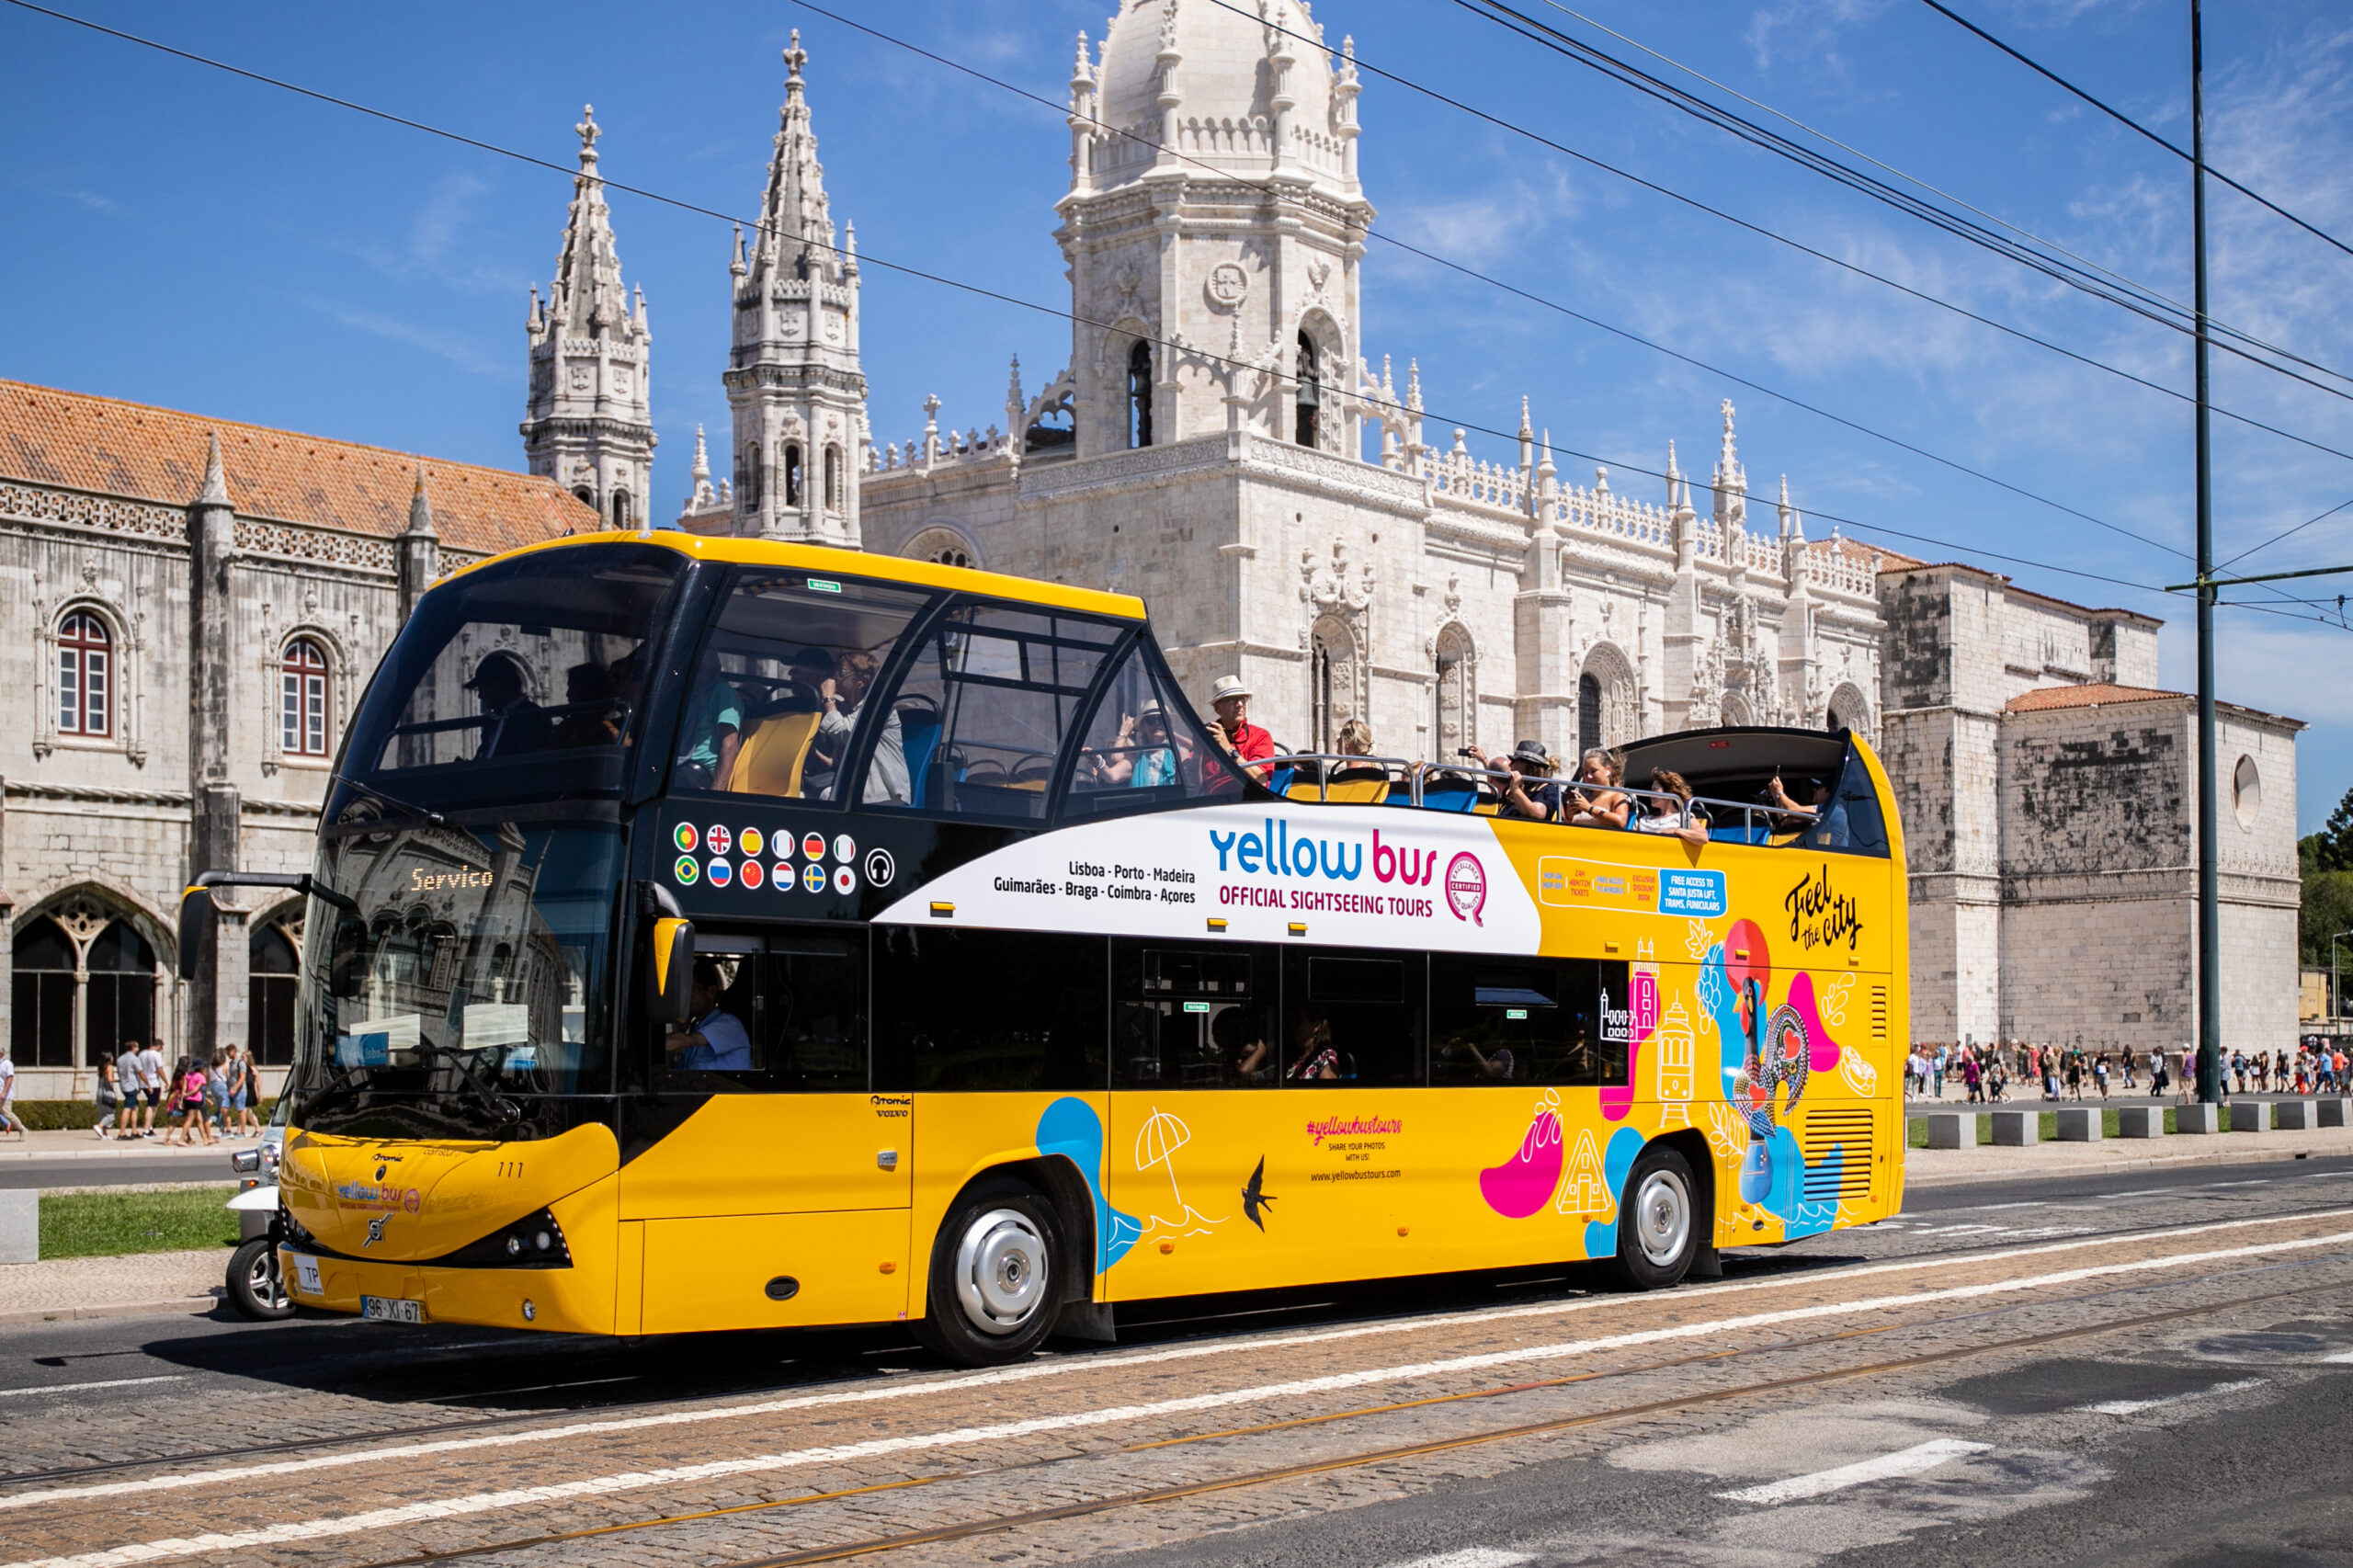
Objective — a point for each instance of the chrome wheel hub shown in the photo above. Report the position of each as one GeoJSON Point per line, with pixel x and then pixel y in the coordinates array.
{"type": "Point", "coordinates": [1001, 1271]}
{"type": "Point", "coordinates": [1662, 1218]}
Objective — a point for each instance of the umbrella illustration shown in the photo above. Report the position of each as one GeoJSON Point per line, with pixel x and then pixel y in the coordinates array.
{"type": "Point", "coordinates": [1157, 1142]}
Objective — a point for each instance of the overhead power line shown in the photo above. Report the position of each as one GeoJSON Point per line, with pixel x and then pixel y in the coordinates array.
{"type": "Point", "coordinates": [2130, 123]}
{"type": "Point", "coordinates": [1759, 229]}
{"type": "Point", "coordinates": [981, 292]}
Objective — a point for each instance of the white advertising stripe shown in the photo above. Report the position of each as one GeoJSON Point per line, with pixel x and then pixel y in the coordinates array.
{"type": "Point", "coordinates": [1366, 879]}
{"type": "Point", "coordinates": [1913, 1460]}
{"type": "Point", "coordinates": [966, 1436]}
{"type": "Point", "coordinates": [1111, 1365]}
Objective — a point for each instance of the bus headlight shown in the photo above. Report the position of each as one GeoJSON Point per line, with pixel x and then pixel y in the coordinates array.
{"type": "Point", "coordinates": [535, 1240]}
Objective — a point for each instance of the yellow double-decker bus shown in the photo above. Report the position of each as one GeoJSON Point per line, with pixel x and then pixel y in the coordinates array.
{"type": "Point", "coordinates": [713, 934]}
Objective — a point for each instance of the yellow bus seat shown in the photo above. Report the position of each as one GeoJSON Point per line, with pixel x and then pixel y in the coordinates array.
{"type": "Point", "coordinates": [772, 758]}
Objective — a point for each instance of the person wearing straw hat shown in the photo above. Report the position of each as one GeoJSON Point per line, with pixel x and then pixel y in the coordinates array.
{"type": "Point", "coordinates": [1230, 699]}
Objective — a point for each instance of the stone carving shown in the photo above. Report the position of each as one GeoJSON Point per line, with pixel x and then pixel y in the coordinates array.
{"type": "Point", "coordinates": [1227, 286]}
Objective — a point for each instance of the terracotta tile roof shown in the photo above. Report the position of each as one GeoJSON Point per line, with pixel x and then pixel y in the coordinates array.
{"type": "Point", "coordinates": [2095, 694]}
{"type": "Point", "coordinates": [138, 451]}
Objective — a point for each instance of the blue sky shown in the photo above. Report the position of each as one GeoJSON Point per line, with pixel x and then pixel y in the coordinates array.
{"type": "Point", "coordinates": [182, 237]}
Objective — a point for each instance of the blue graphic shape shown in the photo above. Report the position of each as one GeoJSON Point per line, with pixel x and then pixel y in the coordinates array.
{"type": "Point", "coordinates": [1070, 1128]}
{"type": "Point", "coordinates": [1617, 1163]}
{"type": "Point", "coordinates": [1716, 995]}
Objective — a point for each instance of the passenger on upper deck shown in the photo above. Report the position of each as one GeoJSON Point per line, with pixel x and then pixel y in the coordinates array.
{"type": "Point", "coordinates": [513, 723]}
{"type": "Point", "coordinates": [1660, 813]}
{"type": "Point", "coordinates": [1823, 821]}
{"type": "Point", "coordinates": [711, 730]}
{"type": "Point", "coordinates": [715, 1041]}
{"type": "Point", "coordinates": [1596, 802]}
{"type": "Point", "coordinates": [1528, 760]}
{"type": "Point", "coordinates": [1141, 757]}
{"type": "Point", "coordinates": [843, 699]}
{"type": "Point", "coordinates": [1356, 738]}
{"type": "Point", "coordinates": [587, 690]}
{"type": "Point", "coordinates": [1230, 699]}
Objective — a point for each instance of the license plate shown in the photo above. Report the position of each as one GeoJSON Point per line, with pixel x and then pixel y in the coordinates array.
{"type": "Point", "coordinates": [306, 1275]}
{"type": "Point", "coordinates": [392, 1309]}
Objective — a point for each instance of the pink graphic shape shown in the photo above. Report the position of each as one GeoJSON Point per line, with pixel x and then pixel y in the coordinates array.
{"type": "Point", "coordinates": [1823, 1056]}
{"type": "Point", "coordinates": [1618, 1099]}
{"type": "Point", "coordinates": [1523, 1184]}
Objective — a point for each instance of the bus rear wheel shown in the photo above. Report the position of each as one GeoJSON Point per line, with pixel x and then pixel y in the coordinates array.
{"type": "Point", "coordinates": [1658, 1223]}
{"type": "Point", "coordinates": [995, 1287]}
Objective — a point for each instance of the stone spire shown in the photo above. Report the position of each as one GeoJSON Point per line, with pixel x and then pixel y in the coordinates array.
{"type": "Point", "coordinates": [588, 426]}
{"type": "Point", "coordinates": [1731, 481]}
{"type": "Point", "coordinates": [416, 554]}
{"type": "Point", "coordinates": [793, 380]}
{"type": "Point", "coordinates": [216, 487]}
{"type": "Point", "coordinates": [1792, 524]}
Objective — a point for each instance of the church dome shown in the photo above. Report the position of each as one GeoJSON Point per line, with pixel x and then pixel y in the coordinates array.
{"type": "Point", "coordinates": [1226, 82]}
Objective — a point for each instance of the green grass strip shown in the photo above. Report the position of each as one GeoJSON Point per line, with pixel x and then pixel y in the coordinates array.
{"type": "Point", "coordinates": [113, 1224]}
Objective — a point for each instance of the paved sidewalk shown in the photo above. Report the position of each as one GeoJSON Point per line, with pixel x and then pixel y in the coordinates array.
{"type": "Point", "coordinates": [80, 1145]}
{"type": "Point", "coordinates": [145, 1284]}
{"type": "Point", "coordinates": [1937, 1167]}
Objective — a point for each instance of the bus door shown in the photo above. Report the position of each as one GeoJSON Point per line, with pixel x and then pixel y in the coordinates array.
{"type": "Point", "coordinates": [779, 1193]}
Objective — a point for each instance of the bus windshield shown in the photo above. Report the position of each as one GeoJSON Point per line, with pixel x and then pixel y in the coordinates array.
{"type": "Point", "coordinates": [521, 680]}
{"type": "Point", "coordinates": [472, 973]}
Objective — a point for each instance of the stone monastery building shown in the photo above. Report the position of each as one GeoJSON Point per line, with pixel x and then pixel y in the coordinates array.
{"type": "Point", "coordinates": [1220, 443]}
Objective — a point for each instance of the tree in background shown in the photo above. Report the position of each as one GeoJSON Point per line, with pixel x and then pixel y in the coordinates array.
{"type": "Point", "coordinates": [2326, 859]}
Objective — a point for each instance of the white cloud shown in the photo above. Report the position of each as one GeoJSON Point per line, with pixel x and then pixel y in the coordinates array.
{"type": "Point", "coordinates": [459, 351]}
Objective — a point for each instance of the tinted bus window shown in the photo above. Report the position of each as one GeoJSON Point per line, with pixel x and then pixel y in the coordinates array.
{"type": "Point", "coordinates": [1565, 1021]}
{"type": "Point", "coordinates": [1143, 748]}
{"type": "Point", "coordinates": [784, 684]}
{"type": "Point", "coordinates": [984, 704]}
{"type": "Point", "coordinates": [1192, 1018]}
{"type": "Point", "coordinates": [784, 1013]}
{"type": "Point", "coordinates": [989, 1010]}
{"type": "Point", "coordinates": [1352, 1016]}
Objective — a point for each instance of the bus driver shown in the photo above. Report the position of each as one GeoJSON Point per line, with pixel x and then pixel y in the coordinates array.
{"type": "Point", "coordinates": [715, 1041]}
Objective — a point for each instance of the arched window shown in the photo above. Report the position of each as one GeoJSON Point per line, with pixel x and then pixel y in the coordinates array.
{"type": "Point", "coordinates": [588, 497]}
{"type": "Point", "coordinates": [84, 675]}
{"type": "Point", "coordinates": [121, 1003]}
{"type": "Point", "coordinates": [620, 508]}
{"type": "Point", "coordinates": [833, 479]}
{"type": "Point", "coordinates": [42, 1027]}
{"type": "Point", "coordinates": [949, 555]}
{"type": "Point", "coordinates": [1588, 714]}
{"type": "Point", "coordinates": [793, 473]}
{"type": "Point", "coordinates": [1311, 391]}
{"type": "Point", "coordinates": [270, 979]}
{"type": "Point", "coordinates": [302, 681]}
{"type": "Point", "coordinates": [1140, 393]}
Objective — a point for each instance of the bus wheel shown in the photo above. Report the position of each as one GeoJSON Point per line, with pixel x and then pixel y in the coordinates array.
{"type": "Point", "coordinates": [995, 1284]}
{"type": "Point", "coordinates": [1658, 1229]}
{"type": "Point", "coordinates": [254, 1287]}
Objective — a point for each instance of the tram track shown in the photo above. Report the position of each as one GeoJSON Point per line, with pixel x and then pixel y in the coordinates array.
{"type": "Point", "coordinates": [1078, 1361]}
{"type": "Point", "coordinates": [992, 1524]}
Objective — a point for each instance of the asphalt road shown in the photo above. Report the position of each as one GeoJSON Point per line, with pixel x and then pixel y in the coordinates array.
{"type": "Point", "coordinates": [130, 1169]}
{"type": "Point", "coordinates": [2212, 1430]}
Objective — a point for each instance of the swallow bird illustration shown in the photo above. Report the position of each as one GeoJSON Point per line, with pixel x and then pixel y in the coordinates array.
{"type": "Point", "coordinates": [1254, 1195]}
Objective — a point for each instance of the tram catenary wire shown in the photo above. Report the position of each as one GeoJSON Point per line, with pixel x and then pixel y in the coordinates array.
{"type": "Point", "coordinates": [2146, 302]}
{"type": "Point", "coordinates": [982, 291]}
{"type": "Point", "coordinates": [1780, 1273]}
{"type": "Point", "coordinates": [1566, 151]}
{"type": "Point", "coordinates": [966, 1529]}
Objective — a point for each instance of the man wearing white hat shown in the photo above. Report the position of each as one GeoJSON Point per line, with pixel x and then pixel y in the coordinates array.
{"type": "Point", "coordinates": [1230, 699]}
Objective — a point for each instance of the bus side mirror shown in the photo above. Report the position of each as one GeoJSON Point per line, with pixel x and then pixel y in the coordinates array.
{"type": "Point", "coordinates": [199, 921]}
{"type": "Point", "coordinates": [670, 973]}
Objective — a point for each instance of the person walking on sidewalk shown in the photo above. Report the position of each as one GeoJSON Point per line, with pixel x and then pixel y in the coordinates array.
{"type": "Point", "coordinates": [8, 1123]}
{"type": "Point", "coordinates": [108, 1096]}
{"type": "Point", "coordinates": [147, 1063]}
{"type": "Point", "coordinates": [2099, 1073]}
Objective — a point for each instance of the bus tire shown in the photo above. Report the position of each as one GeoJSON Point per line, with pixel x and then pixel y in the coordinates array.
{"type": "Point", "coordinates": [255, 1289]}
{"type": "Point", "coordinates": [996, 1285]}
{"type": "Point", "coordinates": [1658, 1222]}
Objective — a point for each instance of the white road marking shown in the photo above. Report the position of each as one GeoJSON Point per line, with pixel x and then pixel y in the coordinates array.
{"type": "Point", "coordinates": [400, 1514]}
{"type": "Point", "coordinates": [2135, 1406]}
{"type": "Point", "coordinates": [1919, 1457]}
{"type": "Point", "coordinates": [104, 1383]}
{"type": "Point", "coordinates": [1470, 1557]}
{"type": "Point", "coordinates": [2339, 1359]}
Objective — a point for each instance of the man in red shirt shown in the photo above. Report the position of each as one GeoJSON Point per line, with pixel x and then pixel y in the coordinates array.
{"type": "Point", "coordinates": [1248, 743]}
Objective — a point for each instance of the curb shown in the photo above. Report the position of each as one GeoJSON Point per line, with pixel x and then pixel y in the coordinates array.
{"type": "Point", "coordinates": [176, 1306]}
{"type": "Point", "coordinates": [1914, 1177]}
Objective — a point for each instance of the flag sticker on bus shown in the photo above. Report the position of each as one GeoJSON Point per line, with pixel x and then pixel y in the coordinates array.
{"type": "Point", "coordinates": [686, 837]}
{"type": "Point", "coordinates": [687, 868]}
{"type": "Point", "coordinates": [813, 875]}
{"type": "Point", "coordinates": [720, 872]}
{"type": "Point", "coordinates": [717, 840]}
{"type": "Point", "coordinates": [751, 840]}
{"type": "Point", "coordinates": [752, 873]}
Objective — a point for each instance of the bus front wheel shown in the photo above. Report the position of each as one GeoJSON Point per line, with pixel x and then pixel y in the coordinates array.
{"type": "Point", "coordinates": [995, 1287]}
{"type": "Point", "coordinates": [1658, 1223]}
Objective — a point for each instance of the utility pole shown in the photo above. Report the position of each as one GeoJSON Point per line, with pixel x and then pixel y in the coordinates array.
{"type": "Point", "coordinates": [2210, 913]}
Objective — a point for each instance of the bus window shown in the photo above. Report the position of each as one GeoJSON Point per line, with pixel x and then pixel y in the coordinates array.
{"type": "Point", "coordinates": [1192, 1018]}
{"type": "Point", "coordinates": [798, 1000]}
{"type": "Point", "coordinates": [1562, 1021]}
{"type": "Point", "coordinates": [984, 706]}
{"type": "Point", "coordinates": [783, 687]}
{"type": "Point", "coordinates": [988, 1010]}
{"type": "Point", "coordinates": [1144, 748]}
{"type": "Point", "coordinates": [1351, 1016]}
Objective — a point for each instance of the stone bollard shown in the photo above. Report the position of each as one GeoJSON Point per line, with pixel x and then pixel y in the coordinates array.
{"type": "Point", "coordinates": [2079, 1124]}
{"type": "Point", "coordinates": [2332, 1110]}
{"type": "Point", "coordinates": [2141, 1121]}
{"type": "Point", "coordinates": [2250, 1116]}
{"type": "Point", "coordinates": [1953, 1130]}
{"type": "Point", "coordinates": [2293, 1115]}
{"type": "Point", "coordinates": [2197, 1118]}
{"type": "Point", "coordinates": [2017, 1128]}
{"type": "Point", "coordinates": [21, 1226]}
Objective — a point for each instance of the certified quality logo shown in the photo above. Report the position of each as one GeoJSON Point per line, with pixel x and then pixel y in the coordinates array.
{"type": "Point", "coordinates": [1466, 887]}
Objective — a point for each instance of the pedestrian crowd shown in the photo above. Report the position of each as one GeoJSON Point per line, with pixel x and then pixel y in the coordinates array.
{"type": "Point", "coordinates": [196, 1097]}
{"type": "Point", "coordinates": [1986, 1073]}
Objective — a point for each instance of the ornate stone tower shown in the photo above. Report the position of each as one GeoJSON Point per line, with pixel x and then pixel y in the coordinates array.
{"type": "Point", "coordinates": [793, 376]}
{"type": "Point", "coordinates": [588, 427]}
{"type": "Point", "coordinates": [1214, 216]}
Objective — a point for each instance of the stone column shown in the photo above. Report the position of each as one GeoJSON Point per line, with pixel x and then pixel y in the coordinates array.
{"type": "Point", "coordinates": [214, 800]}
